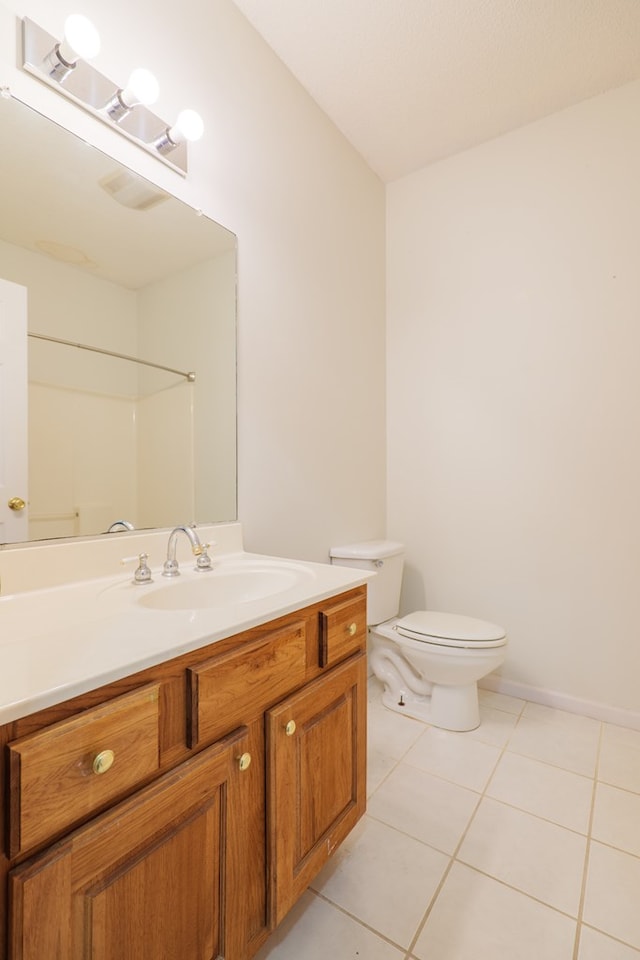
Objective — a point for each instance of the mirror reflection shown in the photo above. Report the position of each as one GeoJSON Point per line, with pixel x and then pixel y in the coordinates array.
{"type": "Point", "coordinates": [142, 425]}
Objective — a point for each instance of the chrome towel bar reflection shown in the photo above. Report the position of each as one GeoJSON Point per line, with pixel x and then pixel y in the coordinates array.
{"type": "Point", "coordinates": [110, 353]}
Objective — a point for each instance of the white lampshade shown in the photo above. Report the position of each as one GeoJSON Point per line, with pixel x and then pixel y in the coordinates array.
{"type": "Point", "coordinates": [81, 40]}
{"type": "Point", "coordinates": [188, 126]}
{"type": "Point", "coordinates": [142, 87]}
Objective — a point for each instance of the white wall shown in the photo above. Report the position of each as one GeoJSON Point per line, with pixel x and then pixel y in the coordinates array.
{"type": "Point", "coordinates": [514, 393]}
{"type": "Point", "coordinates": [82, 422]}
{"type": "Point", "coordinates": [309, 216]}
{"type": "Point", "coordinates": [195, 423]}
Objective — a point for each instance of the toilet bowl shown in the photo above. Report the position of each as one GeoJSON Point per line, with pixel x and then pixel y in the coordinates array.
{"type": "Point", "coordinates": [428, 662]}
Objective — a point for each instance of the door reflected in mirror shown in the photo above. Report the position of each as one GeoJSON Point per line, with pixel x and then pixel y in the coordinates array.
{"type": "Point", "coordinates": [111, 262]}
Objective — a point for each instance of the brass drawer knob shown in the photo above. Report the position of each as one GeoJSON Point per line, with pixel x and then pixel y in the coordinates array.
{"type": "Point", "coordinates": [352, 629]}
{"type": "Point", "coordinates": [244, 761]}
{"type": "Point", "coordinates": [103, 761]}
{"type": "Point", "coordinates": [290, 728]}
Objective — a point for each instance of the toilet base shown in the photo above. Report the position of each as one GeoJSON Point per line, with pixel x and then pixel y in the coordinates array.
{"type": "Point", "coordinates": [448, 707]}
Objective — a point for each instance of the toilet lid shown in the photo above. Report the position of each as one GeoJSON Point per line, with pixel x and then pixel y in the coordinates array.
{"type": "Point", "coordinates": [450, 630]}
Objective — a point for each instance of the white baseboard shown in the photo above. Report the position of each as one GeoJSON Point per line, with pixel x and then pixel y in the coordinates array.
{"type": "Point", "coordinates": [562, 701]}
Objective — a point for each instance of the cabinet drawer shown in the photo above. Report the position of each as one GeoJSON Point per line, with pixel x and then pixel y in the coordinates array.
{"type": "Point", "coordinates": [228, 689]}
{"type": "Point", "coordinates": [62, 774]}
{"type": "Point", "coordinates": [343, 630]}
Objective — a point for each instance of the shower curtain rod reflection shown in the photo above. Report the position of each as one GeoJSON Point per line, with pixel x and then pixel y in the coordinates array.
{"type": "Point", "coordinates": [110, 353]}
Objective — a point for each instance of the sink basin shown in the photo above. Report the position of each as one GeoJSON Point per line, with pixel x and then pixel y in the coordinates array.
{"type": "Point", "coordinates": [220, 588]}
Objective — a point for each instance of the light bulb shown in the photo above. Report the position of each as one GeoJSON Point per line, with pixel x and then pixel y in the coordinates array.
{"type": "Point", "coordinates": [188, 126]}
{"type": "Point", "coordinates": [142, 87]}
{"type": "Point", "coordinates": [81, 40]}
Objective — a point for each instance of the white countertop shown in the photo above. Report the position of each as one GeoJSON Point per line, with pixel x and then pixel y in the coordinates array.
{"type": "Point", "coordinates": [58, 642]}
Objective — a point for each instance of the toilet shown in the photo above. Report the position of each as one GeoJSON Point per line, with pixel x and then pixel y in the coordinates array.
{"type": "Point", "coordinates": [429, 663]}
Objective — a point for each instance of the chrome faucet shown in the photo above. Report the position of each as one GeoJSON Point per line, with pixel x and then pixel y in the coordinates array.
{"type": "Point", "coordinates": [199, 550]}
{"type": "Point", "coordinates": [120, 525]}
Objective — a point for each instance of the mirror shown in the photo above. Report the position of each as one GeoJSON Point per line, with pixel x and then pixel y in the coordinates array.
{"type": "Point", "coordinates": [113, 263]}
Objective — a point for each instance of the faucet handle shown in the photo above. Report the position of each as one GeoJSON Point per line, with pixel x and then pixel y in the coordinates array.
{"type": "Point", "coordinates": [203, 560]}
{"type": "Point", "coordinates": [142, 572]}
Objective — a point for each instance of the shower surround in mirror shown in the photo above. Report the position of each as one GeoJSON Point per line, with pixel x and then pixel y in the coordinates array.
{"type": "Point", "coordinates": [110, 261]}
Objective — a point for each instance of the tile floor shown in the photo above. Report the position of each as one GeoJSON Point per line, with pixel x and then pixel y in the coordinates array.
{"type": "Point", "coordinates": [517, 841]}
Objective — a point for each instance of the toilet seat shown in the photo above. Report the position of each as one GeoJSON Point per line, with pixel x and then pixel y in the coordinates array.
{"type": "Point", "coordinates": [450, 630]}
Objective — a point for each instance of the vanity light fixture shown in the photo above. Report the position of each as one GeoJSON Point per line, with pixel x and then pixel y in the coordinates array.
{"type": "Point", "coordinates": [63, 66]}
{"type": "Point", "coordinates": [81, 41]}
{"type": "Point", "coordinates": [188, 127]}
{"type": "Point", "coordinates": [142, 88]}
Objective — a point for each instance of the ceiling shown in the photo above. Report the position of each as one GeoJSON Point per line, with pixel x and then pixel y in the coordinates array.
{"type": "Point", "coordinates": [409, 82]}
{"type": "Point", "coordinates": [62, 197]}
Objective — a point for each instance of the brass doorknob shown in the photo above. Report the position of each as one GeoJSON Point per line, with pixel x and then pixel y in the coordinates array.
{"type": "Point", "coordinates": [16, 503]}
{"type": "Point", "coordinates": [103, 761]}
{"type": "Point", "coordinates": [290, 728]}
{"type": "Point", "coordinates": [244, 761]}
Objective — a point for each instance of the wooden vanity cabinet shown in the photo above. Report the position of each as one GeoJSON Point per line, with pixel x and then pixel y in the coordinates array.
{"type": "Point", "coordinates": [316, 777]}
{"type": "Point", "coordinates": [143, 881]}
{"type": "Point", "coordinates": [181, 811]}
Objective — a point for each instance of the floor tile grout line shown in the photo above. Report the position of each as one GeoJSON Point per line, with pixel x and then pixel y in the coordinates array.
{"type": "Point", "coordinates": [439, 776]}
{"type": "Point", "coordinates": [555, 766]}
{"type": "Point", "coordinates": [483, 792]}
{"type": "Point", "coordinates": [356, 919]}
{"type": "Point", "coordinates": [537, 816]}
{"type": "Point", "coordinates": [587, 853]}
{"type": "Point", "coordinates": [612, 846]}
{"type": "Point", "coordinates": [584, 834]}
{"type": "Point", "coordinates": [580, 719]}
{"type": "Point", "coordinates": [454, 857]}
{"type": "Point", "coordinates": [496, 746]}
{"type": "Point", "coordinates": [410, 836]}
{"type": "Point", "coordinates": [551, 724]}
{"type": "Point", "coordinates": [616, 786]}
{"type": "Point", "coordinates": [430, 905]}
{"type": "Point", "coordinates": [487, 796]}
{"type": "Point", "coordinates": [412, 943]}
{"type": "Point", "coordinates": [397, 760]}
{"type": "Point", "coordinates": [611, 936]}
{"type": "Point", "coordinates": [509, 886]}
{"type": "Point", "coordinates": [452, 860]}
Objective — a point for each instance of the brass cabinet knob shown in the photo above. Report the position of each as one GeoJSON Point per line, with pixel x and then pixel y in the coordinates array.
{"type": "Point", "coordinates": [17, 504]}
{"type": "Point", "coordinates": [290, 728]}
{"type": "Point", "coordinates": [352, 629]}
{"type": "Point", "coordinates": [244, 761]}
{"type": "Point", "coordinates": [103, 761]}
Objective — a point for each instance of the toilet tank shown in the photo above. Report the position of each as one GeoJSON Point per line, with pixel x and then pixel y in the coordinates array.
{"type": "Point", "coordinates": [385, 558]}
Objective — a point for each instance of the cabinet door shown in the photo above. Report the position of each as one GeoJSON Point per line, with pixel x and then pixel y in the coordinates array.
{"type": "Point", "coordinates": [316, 748]}
{"type": "Point", "coordinates": [144, 880]}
